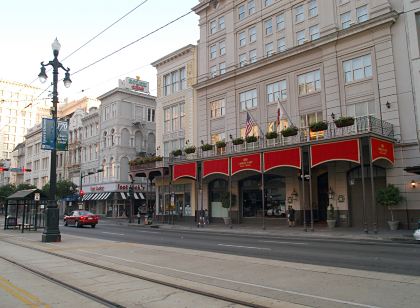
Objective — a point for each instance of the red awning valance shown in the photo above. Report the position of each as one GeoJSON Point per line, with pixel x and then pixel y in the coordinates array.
{"type": "Point", "coordinates": [341, 150]}
{"type": "Point", "coordinates": [246, 162]}
{"type": "Point", "coordinates": [216, 166]}
{"type": "Point", "coordinates": [188, 170]}
{"type": "Point", "coordinates": [282, 158]}
{"type": "Point", "coordinates": [382, 149]}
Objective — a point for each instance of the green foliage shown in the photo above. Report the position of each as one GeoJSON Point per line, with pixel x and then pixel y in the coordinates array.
{"type": "Point", "coordinates": [271, 135]}
{"type": "Point", "coordinates": [207, 147]}
{"type": "Point", "coordinates": [318, 126]}
{"type": "Point", "coordinates": [25, 186]}
{"type": "Point", "coordinates": [330, 212]}
{"type": "Point", "coordinates": [220, 144]}
{"type": "Point", "coordinates": [64, 188]}
{"type": "Point", "coordinates": [250, 139]}
{"type": "Point", "coordinates": [389, 196]}
{"type": "Point", "coordinates": [344, 121]}
{"type": "Point", "coordinates": [238, 141]}
{"type": "Point", "coordinates": [289, 131]}
{"type": "Point", "coordinates": [177, 152]}
{"type": "Point", "coordinates": [6, 191]}
{"type": "Point", "coordinates": [190, 149]}
{"type": "Point", "coordinates": [144, 160]}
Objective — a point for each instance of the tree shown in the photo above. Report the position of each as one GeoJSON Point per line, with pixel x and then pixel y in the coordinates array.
{"type": "Point", "coordinates": [6, 191]}
{"type": "Point", "coordinates": [25, 186]}
{"type": "Point", "coordinates": [64, 188]}
{"type": "Point", "coordinates": [389, 197]}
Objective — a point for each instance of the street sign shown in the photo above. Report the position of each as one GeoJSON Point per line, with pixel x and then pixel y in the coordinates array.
{"type": "Point", "coordinates": [37, 196]}
{"type": "Point", "coordinates": [80, 205]}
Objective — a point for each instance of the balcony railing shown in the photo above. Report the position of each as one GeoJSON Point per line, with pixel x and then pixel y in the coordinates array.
{"type": "Point", "coordinates": [366, 124]}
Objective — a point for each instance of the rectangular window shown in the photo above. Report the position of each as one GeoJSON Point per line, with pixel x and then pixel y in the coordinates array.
{"type": "Point", "coordinates": [345, 20]}
{"type": "Point", "coordinates": [222, 68]}
{"type": "Point", "coordinates": [182, 117]}
{"type": "Point", "coordinates": [248, 99]}
{"type": "Point", "coordinates": [183, 79]}
{"type": "Point", "coordinates": [213, 52]}
{"type": "Point", "coordinates": [222, 48]}
{"type": "Point", "coordinates": [253, 56]}
{"type": "Point", "coordinates": [222, 23]}
{"type": "Point", "coordinates": [309, 82]}
{"type": "Point", "coordinates": [300, 37]}
{"type": "Point", "coordinates": [254, 131]}
{"type": "Point", "coordinates": [251, 7]}
{"type": "Point", "coordinates": [252, 34]}
{"type": "Point", "coordinates": [280, 22]}
{"type": "Point", "coordinates": [213, 71]}
{"type": "Point", "coordinates": [167, 120]}
{"type": "Point", "coordinates": [281, 44]}
{"type": "Point", "coordinates": [217, 108]}
{"type": "Point", "coordinates": [242, 60]}
{"type": "Point", "coordinates": [418, 27]}
{"type": "Point", "coordinates": [361, 109]}
{"type": "Point", "coordinates": [175, 118]}
{"type": "Point", "coordinates": [310, 118]}
{"type": "Point", "coordinates": [241, 12]}
{"type": "Point", "coordinates": [314, 32]}
{"type": "Point", "coordinates": [213, 27]}
{"type": "Point", "coordinates": [362, 13]}
{"type": "Point", "coordinates": [313, 8]}
{"type": "Point", "coordinates": [357, 68]}
{"type": "Point", "coordinates": [274, 127]}
{"type": "Point", "coordinates": [174, 81]}
{"type": "Point", "coordinates": [269, 49]}
{"type": "Point", "coordinates": [276, 91]}
{"type": "Point", "coordinates": [242, 39]}
{"type": "Point", "coordinates": [217, 137]}
{"type": "Point", "coordinates": [299, 14]}
{"type": "Point", "coordinates": [268, 2]}
{"type": "Point", "coordinates": [150, 115]}
{"type": "Point", "coordinates": [268, 25]}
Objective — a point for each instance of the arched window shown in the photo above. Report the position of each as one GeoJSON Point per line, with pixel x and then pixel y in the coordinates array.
{"type": "Point", "coordinates": [112, 166]}
{"type": "Point", "coordinates": [125, 137]}
{"type": "Point", "coordinates": [105, 169]}
{"type": "Point", "coordinates": [104, 139]}
{"type": "Point", "coordinates": [112, 137]}
{"type": "Point", "coordinates": [124, 169]}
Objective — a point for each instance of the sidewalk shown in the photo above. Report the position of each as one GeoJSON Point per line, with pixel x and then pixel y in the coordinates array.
{"type": "Point", "coordinates": [320, 231]}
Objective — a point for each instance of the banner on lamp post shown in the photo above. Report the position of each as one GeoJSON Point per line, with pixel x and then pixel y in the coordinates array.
{"type": "Point", "coordinates": [49, 135]}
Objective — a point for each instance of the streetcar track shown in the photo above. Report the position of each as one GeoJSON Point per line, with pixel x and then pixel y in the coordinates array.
{"type": "Point", "coordinates": [121, 272]}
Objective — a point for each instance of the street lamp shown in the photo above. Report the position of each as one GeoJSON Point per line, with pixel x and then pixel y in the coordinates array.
{"type": "Point", "coordinates": [52, 232]}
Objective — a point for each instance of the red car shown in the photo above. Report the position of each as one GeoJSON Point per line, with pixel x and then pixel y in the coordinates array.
{"type": "Point", "coordinates": [81, 218]}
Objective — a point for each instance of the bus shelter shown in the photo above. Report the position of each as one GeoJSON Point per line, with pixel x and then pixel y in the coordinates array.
{"type": "Point", "coordinates": [25, 210]}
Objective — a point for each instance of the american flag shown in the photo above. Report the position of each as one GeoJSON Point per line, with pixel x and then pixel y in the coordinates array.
{"type": "Point", "coordinates": [249, 124]}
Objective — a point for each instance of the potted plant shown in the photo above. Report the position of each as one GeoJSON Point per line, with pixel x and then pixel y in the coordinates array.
{"type": "Point", "coordinates": [220, 144]}
{"type": "Point", "coordinates": [225, 199]}
{"type": "Point", "coordinates": [251, 139]}
{"type": "Point", "coordinates": [207, 147]}
{"type": "Point", "coordinates": [344, 121]}
{"type": "Point", "coordinates": [271, 135]}
{"type": "Point", "coordinates": [331, 219]}
{"type": "Point", "coordinates": [390, 196]}
{"type": "Point", "coordinates": [289, 131]}
{"type": "Point", "coordinates": [177, 152]}
{"type": "Point", "coordinates": [238, 141]}
{"type": "Point", "coordinates": [189, 150]}
{"type": "Point", "coordinates": [318, 126]}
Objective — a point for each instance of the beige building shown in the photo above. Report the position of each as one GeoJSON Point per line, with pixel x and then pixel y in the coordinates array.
{"type": "Point", "coordinates": [314, 61]}
{"type": "Point", "coordinates": [176, 128]}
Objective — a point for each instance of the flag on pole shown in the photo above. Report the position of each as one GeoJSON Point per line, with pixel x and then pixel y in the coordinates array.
{"type": "Point", "coordinates": [249, 124]}
{"type": "Point", "coordinates": [280, 112]}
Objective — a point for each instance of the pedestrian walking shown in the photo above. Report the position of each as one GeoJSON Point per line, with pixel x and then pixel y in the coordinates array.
{"type": "Point", "coordinates": [291, 216]}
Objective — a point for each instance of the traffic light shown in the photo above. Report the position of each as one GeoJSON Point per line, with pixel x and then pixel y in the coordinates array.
{"type": "Point", "coordinates": [26, 170]}
{"type": "Point", "coordinates": [2, 169]}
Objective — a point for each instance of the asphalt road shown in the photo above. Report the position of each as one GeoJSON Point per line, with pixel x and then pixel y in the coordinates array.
{"type": "Point", "coordinates": [397, 258]}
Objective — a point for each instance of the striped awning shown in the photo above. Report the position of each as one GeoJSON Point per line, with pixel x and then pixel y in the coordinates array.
{"type": "Point", "coordinates": [136, 195]}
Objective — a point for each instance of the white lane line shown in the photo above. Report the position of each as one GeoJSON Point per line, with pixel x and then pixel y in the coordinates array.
{"type": "Point", "coordinates": [237, 282]}
{"type": "Point", "coordinates": [153, 232]}
{"type": "Point", "coordinates": [247, 247]}
{"type": "Point", "coordinates": [280, 242]}
{"type": "Point", "coordinates": [112, 233]}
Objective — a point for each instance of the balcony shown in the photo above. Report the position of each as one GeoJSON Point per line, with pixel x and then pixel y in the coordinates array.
{"type": "Point", "coordinates": [362, 125]}
{"type": "Point", "coordinates": [151, 165]}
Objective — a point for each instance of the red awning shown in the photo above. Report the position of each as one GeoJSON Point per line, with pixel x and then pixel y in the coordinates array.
{"type": "Point", "coordinates": [347, 150]}
{"type": "Point", "coordinates": [382, 149]}
{"type": "Point", "coordinates": [282, 158]}
{"type": "Point", "coordinates": [246, 162]}
{"type": "Point", "coordinates": [188, 170]}
{"type": "Point", "coordinates": [216, 166]}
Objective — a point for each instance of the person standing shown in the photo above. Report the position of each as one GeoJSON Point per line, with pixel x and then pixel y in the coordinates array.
{"type": "Point", "coordinates": [291, 216]}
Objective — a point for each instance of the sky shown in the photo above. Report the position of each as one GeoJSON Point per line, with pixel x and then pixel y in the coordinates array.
{"type": "Point", "coordinates": [28, 27]}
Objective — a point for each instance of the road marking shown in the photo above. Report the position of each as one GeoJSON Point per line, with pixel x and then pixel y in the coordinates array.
{"type": "Point", "coordinates": [153, 232]}
{"type": "Point", "coordinates": [21, 294]}
{"type": "Point", "coordinates": [280, 242]}
{"type": "Point", "coordinates": [247, 247]}
{"type": "Point", "coordinates": [237, 282]}
{"type": "Point", "coordinates": [112, 233]}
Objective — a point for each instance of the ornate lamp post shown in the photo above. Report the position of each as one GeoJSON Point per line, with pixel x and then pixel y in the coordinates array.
{"type": "Point", "coordinates": [52, 232]}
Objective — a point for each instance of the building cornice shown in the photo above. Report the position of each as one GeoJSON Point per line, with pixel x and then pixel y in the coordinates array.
{"type": "Point", "coordinates": [125, 91]}
{"type": "Point", "coordinates": [376, 22]}
{"type": "Point", "coordinates": [173, 55]}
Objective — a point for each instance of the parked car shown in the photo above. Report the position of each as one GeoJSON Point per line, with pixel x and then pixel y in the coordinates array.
{"type": "Point", "coordinates": [417, 235]}
{"type": "Point", "coordinates": [81, 218]}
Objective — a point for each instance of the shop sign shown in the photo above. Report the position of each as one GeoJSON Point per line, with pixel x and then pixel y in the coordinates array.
{"type": "Point", "coordinates": [246, 162]}
{"type": "Point", "coordinates": [135, 84]}
{"type": "Point", "coordinates": [216, 166]}
{"type": "Point", "coordinates": [282, 158]}
{"type": "Point", "coordinates": [382, 149]}
{"type": "Point", "coordinates": [185, 171]}
{"type": "Point", "coordinates": [111, 187]}
{"type": "Point", "coordinates": [125, 187]}
{"type": "Point", "coordinates": [347, 150]}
